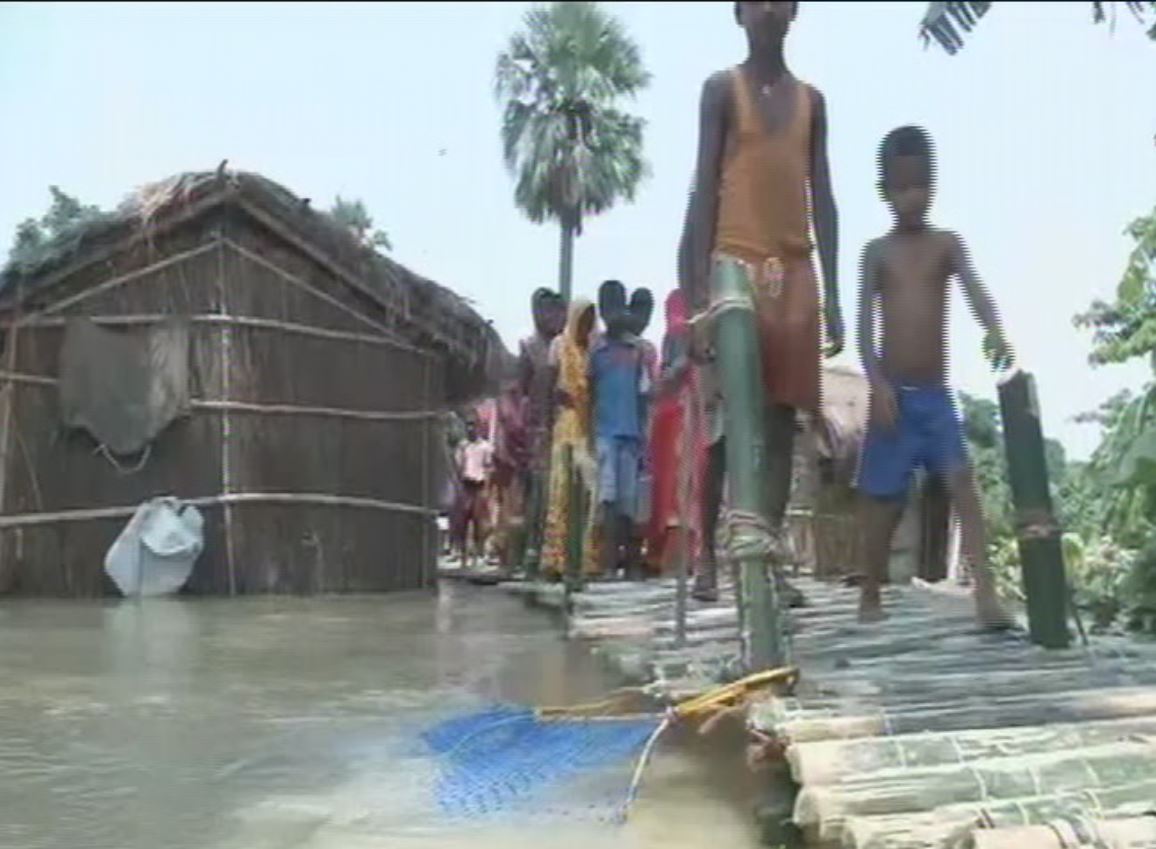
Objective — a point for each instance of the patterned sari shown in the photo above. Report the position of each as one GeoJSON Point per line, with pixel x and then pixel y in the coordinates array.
{"type": "Point", "coordinates": [571, 429]}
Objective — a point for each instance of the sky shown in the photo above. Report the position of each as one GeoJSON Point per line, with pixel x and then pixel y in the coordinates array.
{"type": "Point", "coordinates": [1044, 133]}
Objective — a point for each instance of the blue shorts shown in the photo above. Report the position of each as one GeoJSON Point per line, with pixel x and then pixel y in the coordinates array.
{"type": "Point", "coordinates": [928, 433]}
{"type": "Point", "coordinates": [619, 464]}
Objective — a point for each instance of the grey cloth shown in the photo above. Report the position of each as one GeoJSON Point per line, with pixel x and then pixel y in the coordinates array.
{"type": "Point", "coordinates": [123, 387]}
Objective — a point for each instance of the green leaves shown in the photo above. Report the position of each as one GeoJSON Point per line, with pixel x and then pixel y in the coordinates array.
{"type": "Point", "coordinates": [353, 216]}
{"type": "Point", "coordinates": [572, 151]}
{"type": "Point", "coordinates": [65, 217]}
{"type": "Point", "coordinates": [946, 22]}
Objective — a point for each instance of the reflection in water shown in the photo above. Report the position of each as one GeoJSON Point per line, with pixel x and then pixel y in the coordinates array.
{"type": "Point", "coordinates": [271, 723]}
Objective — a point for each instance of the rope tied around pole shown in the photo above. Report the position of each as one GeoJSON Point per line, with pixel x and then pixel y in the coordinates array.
{"type": "Point", "coordinates": [745, 535]}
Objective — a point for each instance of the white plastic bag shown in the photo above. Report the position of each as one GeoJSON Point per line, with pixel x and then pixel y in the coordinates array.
{"type": "Point", "coordinates": [155, 553]}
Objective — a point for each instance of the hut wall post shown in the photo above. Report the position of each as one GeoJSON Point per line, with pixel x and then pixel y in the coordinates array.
{"type": "Point", "coordinates": [428, 556]}
{"type": "Point", "coordinates": [7, 403]}
{"type": "Point", "coordinates": [228, 461]}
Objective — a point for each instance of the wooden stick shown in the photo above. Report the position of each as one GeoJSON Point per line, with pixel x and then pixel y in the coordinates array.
{"type": "Point", "coordinates": [140, 235]}
{"type": "Point", "coordinates": [258, 409]}
{"type": "Point", "coordinates": [17, 520]}
{"type": "Point", "coordinates": [305, 286]}
{"type": "Point", "coordinates": [121, 280]}
{"type": "Point", "coordinates": [226, 365]}
{"type": "Point", "coordinates": [217, 318]}
{"type": "Point", "coordinates": [7, 398]}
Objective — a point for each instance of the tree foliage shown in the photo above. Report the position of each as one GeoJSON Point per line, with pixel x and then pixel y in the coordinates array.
{"type": "Point", "coordinates": [65, 216]}
{"type": "Point", "coordinates": [571, 148]}
{"type": "Point", "coordinates": [352, 215]}
{"type": "Point", "coordinates": [947, 22]}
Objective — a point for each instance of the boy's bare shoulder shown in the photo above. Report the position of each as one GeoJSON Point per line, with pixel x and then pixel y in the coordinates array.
{"type": "Point", "coordinates": [717, 86]}
{"type": "Point", "coordinates": [948, 239]}
{"type": "Point", "coordinates": [874, 250]}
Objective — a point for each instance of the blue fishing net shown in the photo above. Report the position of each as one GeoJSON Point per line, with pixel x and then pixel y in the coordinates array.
{"type": "Point", "coordinates": [509, 759]}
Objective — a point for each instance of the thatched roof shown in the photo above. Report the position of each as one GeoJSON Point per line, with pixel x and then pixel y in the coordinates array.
{"type": "Point", "coordinates": [844, 421]}
{"type": "Point", "coordinates": [419, 310]}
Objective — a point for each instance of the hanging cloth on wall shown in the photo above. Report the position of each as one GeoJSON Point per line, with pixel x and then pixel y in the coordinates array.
{"type": "Point", "coordinates": [123, 387]}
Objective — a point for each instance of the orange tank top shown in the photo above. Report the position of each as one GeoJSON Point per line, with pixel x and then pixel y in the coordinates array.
{"type": "Point", "coordinates": [764, 208]}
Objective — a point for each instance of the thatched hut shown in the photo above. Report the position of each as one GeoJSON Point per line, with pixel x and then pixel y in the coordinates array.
{"type": "Point", "coordinates": [823, 500]}
{"type": "Point", "coordinates": [253, 359]}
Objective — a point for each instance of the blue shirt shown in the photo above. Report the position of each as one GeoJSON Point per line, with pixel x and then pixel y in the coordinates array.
{"type": "Point", "coordinates": [616, 376]}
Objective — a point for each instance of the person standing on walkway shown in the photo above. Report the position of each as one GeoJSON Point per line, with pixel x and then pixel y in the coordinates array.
{"type": "Point", "coordinates": [640, 311]}
{"type": "Point", "coordinates": [677, 477]}
{"type": "Point", "coordinates": [511, 458]}
{"type": "Point", "coordinates": [762, 183]}
{"type": "Point", "coordinates": [912, 419]}
{"type": "Point", "coordinates": [535, 380]}
{"type": "Point", "coordinates": [569, 361]}
{"type": "Point", "coordinates": [474, 462]}
{"type": "Point", "coordinates": [617, 374]}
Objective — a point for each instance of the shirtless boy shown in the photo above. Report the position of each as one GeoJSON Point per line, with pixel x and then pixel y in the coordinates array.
{"type": "Point", "coordinates": [913, 420]}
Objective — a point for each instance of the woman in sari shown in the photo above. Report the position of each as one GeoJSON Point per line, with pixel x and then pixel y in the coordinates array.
{"type": "Point", "coordinates": [570, 356]}
{"type": "Point", "coordinates": [511, 460]}
{"type": "Point", "coordinates": [677, 478]}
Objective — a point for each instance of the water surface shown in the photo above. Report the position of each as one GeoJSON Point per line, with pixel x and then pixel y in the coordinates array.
{"type": "Point", "coordinates": [271, 723]}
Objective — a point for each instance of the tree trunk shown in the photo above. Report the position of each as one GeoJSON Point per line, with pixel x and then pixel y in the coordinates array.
{"type": "Point", "coordinates": [566, 260]}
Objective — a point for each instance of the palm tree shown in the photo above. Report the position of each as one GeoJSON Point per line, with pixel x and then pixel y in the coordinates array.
{"type": "Point", "coordinates": [947, 21]}
{"type": "Point", "coordinates": [572, 152]}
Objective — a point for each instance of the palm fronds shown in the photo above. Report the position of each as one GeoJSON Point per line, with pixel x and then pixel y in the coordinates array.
{"type": "Point", "coordinates": [944, 22]}
{"type": "Point", "coordinates": [947, 22]}
{"type": "Point", "coordinates": [571, 150]}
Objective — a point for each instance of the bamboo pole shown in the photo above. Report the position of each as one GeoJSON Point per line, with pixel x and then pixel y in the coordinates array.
{"type": "Point", "coordinates": [685, 467]}
{"type": "Point", "coordinates": [1041, 552]}
{"type": "Point", "coordinates": [428, 558]}
{"type": "Point", "coordinates": [576, 522]}
{"type": "Point", "coordinates": [258, 409]}
{"type": "Point", "coordinates": [8, 400]}
{"type": "Point", "coordinates": [227, 362]}
{"type": "Point", "coordinates": [1123, 833]}
{"type": "Point", "coordinates": [740, 376]}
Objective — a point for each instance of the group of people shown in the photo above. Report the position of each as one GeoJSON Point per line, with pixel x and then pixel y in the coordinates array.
{"type": "Point", "coordinates": [595, 399]}
{"type": "Point", "coordinates": [591, 406]}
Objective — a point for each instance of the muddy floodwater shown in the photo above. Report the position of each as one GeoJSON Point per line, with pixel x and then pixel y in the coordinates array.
{"type": "Point", "coordinates": [271, 722]}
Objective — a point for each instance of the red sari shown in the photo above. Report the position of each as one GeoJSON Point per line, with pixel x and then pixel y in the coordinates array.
{"type": "Point", "coordinates": [678, 404]}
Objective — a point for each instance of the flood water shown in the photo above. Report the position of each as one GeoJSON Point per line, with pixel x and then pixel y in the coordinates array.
{"type": "Point", "coordinates": [272, 722]}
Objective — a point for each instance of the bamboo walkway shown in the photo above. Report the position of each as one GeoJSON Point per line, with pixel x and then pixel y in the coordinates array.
{"type": "Point", "coordinates": [922, 731]}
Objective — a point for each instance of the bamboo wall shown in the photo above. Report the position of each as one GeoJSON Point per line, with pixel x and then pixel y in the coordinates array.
{"type": "Point", "coordinates": [297, 393]}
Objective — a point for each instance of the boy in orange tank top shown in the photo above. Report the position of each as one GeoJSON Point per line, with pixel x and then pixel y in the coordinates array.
{"type": "Point", "coordinates": [762, 182]}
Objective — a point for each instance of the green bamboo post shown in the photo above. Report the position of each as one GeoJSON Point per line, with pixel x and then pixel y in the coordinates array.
{"type": "Point", "coordinates": [1039, 537]}
{"type": "Point", "coordinates": [736, 345]}
{"type": "Point", "coordinates": [577, 524]}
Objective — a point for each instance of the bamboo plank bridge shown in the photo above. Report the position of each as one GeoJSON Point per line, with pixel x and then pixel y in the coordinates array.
{"type": "Point", "coordinates": [922, 731]}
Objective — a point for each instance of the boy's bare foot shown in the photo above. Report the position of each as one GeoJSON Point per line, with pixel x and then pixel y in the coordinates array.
{"type": "Point", "coordinates": [991, 613]}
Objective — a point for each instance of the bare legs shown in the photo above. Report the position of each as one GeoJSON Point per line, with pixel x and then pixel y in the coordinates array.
{"type": "Point", "coordinates": [965, 496]}
{"type": "Point", "coordinates": [706, 581]}
{"type": "Point", "coordinates": [780, 447]}
{"type": "Point", "coordinates": [781, 426]}
{"type": "Point", "coordinates": [878, 520]}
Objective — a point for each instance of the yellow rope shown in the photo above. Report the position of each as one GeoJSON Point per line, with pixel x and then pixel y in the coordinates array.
{"type": "Point", "coordinates": [714, 700]}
